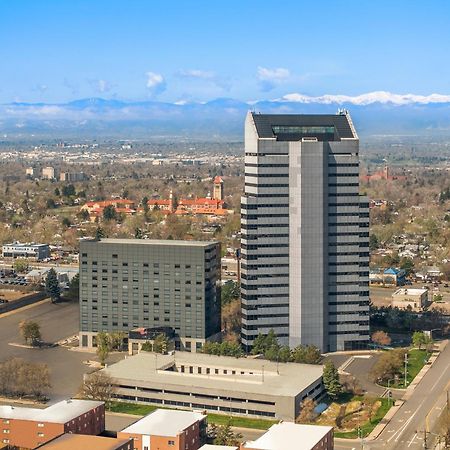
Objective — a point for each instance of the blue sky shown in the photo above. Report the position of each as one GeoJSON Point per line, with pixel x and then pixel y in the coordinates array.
{"type": "Point", "coordinates": [60, 50]}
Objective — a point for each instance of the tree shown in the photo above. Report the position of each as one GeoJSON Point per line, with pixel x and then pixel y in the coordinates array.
{"type": "Point", "coordinates": [52, 286]}
{"type": "Point", "coordinates": [66, 222]}
{"type": "Point", "coordinates": [74, 288]}
{"type": "Point", "coordinates": [99, 233]}
{"type": "Point", "coordinates": [110, 213]}
{"type": "Point", "coordinates": [30, 331]}
{"type": "Point", "coordinates": [373, 242]}
{"type": "Point", "coordinates": [224, 435]}
{"type": "Point", "coordinates": [229, 292]}
{"type": "Point", "coordinates": [19, 378]}
{"type": "Point", "coordinates": [381, 338]}
{"type": "Point", "coordinates": [68, 190]}
{"type": "Point", "coordinates": [306, 354]}
{"type": "Point", "coordinates": [331, 380]}
{"type": "Point", "coordinates": [161, 344]}
{"type": "Point", "coordinates": [51, 203]}
{"type": "Point", "coordinates": [388, 366]}
{"type": "Point", "coordinates": [57, 193]}
{"type": "Point", "coordinates": [98, 386]}
{"type": "Point", "coordinates": [21, 265]}
{"type": "Point", "coordinates": [138, 234]}
{"type": "Point", "coordinates": [262, 343]}
{"type": "Point", "coordinates": [419, 338]}
{"type": "Point", "coordinates": [116, 339]}
{"type": "Point", "coordinates": [307, 411]}
{"type": "Point", "coordinates": [103, 346]}
{"type": "Point", "coordinates": [84, 215]}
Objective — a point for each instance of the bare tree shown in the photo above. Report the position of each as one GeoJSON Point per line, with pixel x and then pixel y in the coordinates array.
{"type": "Point", "coordinates": [98, 386]}
{"type": "Point", "coordinates": [307, 412]}
{"type": "Point", "coordinates": [381, 338]}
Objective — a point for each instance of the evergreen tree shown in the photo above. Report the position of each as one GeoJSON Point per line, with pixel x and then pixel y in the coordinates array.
{"type": "Point", "coordinates": [138, 234]}
{"type": "Point", "coordinates": [74, 288]}
{"type": "Point", "coordinates": [331, 381]}
{"type": "Point", "coordinates": [99, 233]}
{"type": "Point", "coordinates": [110, 213]}
{"type": "Point", "coordinates": [52, 286]}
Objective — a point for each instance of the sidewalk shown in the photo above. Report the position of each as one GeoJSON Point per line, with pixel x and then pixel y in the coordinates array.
{"type": "Point", "coordinates": [408, 393]}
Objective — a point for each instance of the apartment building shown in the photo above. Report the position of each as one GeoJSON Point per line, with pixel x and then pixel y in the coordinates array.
{"type": "Point", "coordinates": [135, 283]}
{"type": "Point", "coordinates": [287, 436]}
{"type": "Point", "coordinates": [167, 430]}
{"type": "Point", "coordinates": [31, 427]}
{"type": "Point", "coordinates": [217, 384]}
{"type": "Point", "coordinates": [305, 232]}
{"type": "Point", "coordinates": [48, 173]}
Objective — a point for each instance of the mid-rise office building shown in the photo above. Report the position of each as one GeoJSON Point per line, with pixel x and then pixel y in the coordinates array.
{"type": "Point", "coordinates": [132, 283]}
{"type": "Point", "coordinates": [26, 250]}
{"type": "Point", "coordinates": [305, 232]}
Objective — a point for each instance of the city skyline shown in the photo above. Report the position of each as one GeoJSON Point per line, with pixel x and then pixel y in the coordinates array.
{"type": "Point", "coordinates": [117, 50]}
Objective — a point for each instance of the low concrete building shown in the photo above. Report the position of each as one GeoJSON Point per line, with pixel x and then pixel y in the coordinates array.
{"type": "Point", "coordinates": [31, 427]}
{"type": "Point", "coordinates": [227, 385]}
{"type": "Point", "coordinates": [48, 173]}
{"type": "Point", "coordinates": [287, 435]}
{"type": "Point", "coordinates": [26, 250]}
{"type": "Point", "coordinates": [87, 442]}
{"type": "Point", "coordinates": [166, 429]}
{"type": "Point", "coordinates": [387, 277]}
{"type": "Point", "coordinates": [406, 298]}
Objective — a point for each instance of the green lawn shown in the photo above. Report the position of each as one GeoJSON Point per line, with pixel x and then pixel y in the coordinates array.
{"type": "Point", "coordinates": [367, 427]}
{"type": "Point", "coordinates": [218, 419]}
{"type": "Point", "coordinates": [416, 360]}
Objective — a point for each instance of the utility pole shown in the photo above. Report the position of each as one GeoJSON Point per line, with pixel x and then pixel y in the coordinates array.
{"type": "Point", "coordinates": [406, 366]}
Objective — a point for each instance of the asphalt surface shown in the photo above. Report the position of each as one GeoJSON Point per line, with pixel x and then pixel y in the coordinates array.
{"type": "Point", "coordinates": [57, 321]}
{"type": "Point", "coordinates": [419, 413]}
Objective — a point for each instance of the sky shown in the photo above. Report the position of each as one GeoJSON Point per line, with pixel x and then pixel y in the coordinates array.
{"type": "Point", "coordinates": [56, 51]}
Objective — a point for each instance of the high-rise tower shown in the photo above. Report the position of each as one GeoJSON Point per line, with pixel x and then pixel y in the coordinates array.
{"type": "Point", "coordinates": [305, 232]}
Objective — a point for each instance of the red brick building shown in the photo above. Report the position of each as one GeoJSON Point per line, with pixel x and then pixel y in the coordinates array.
{"type": "Point", "coordinates": [30, 427]}
{"type": "Point", "coordinates": [166, 429]}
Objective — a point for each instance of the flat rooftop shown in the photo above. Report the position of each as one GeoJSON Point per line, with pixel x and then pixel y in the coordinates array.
{"type": "Point", "coordinates": [260, 376]}
{"type": "Point", "coordinates": [164, 242]}
{"type": "Point", "coordinates": [60, 412]}
{"type": "Point", "coordinates": [410, 291]}
{"type": "Point", "coordinates": [82, 441]}
{"type": "Point", "coordinates": [281, 436]}
{"type": "Point", "coordinates": [218, 447]}
{"type": "Point", "coordinates": [164, 422]}
{"type": "Point", "coordinates": [293, 127]}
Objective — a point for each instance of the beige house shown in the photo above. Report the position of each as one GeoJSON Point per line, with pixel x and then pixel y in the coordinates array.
{"type": "Point", "coordinates": [414, 299]}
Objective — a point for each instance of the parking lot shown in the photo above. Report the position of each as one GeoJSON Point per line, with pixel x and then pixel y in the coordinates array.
{"type": "Point", "coordinates": [57, 321]}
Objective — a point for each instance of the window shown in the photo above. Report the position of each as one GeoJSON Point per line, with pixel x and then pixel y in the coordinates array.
{"type": "Point", "coordinates": [40, 434]}
{"type": "Point", "coordinates": [171, 442]}
{"type": "Point", "coordinates": [6, 431]}
{"type": "Point", "coordinates": [40, 425]}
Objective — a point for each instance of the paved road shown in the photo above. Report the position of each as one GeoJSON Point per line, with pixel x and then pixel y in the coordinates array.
{"type": "Point", "coordinates": [57, 321]}
{"type": "Point", "coordinates": [406, 429]}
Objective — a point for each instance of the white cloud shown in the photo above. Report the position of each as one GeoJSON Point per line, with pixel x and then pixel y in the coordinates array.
{"type": "Point", "coordinates": [155, 83]}
{"type": "Point", "coordinates": [277, 74]}
{"type": "Point", "coordinates": [100, 85]}
{"type": "Point", "coordinates": [269, 78]}
{"type": "Point", "coordinates": [223, 83]}
{"type": "Point", "coordinates": [368, 98]}
{"type": "Point", "coordinates": [195, 73]}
